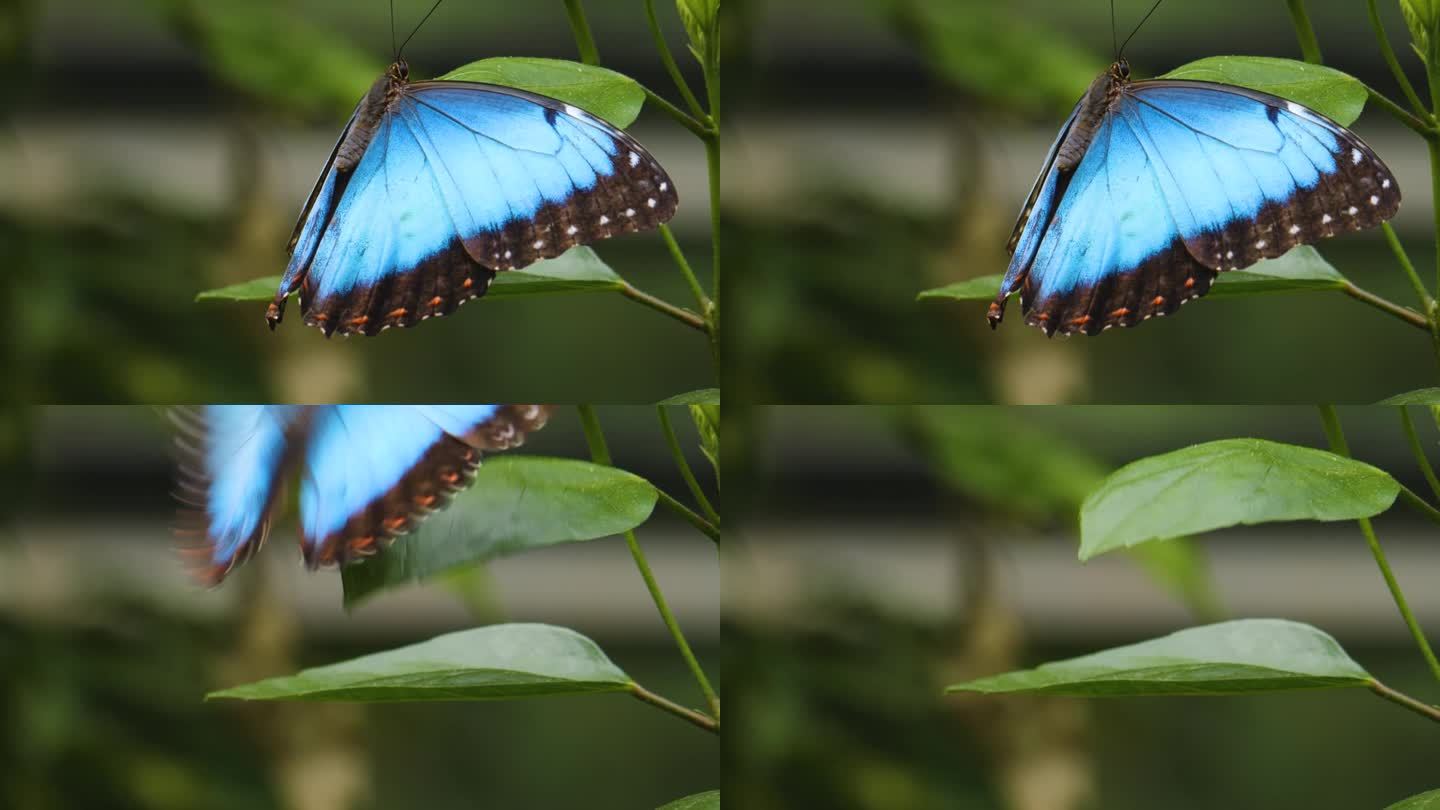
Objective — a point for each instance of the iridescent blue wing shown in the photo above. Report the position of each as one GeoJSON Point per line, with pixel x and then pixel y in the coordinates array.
{"type": "Point", "coordinates": [372, 472]}
{"type": "Point", "coordinates": [460, 181]}
{"type": "Point", "coordinates": [1181, 181]}
{"type": "Point", "coordinates": [234, 459]}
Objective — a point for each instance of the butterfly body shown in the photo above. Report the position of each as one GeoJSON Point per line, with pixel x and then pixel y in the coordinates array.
{"type": "Point", "coordinates": [1154, 187]}
{"type": "Point", "coordinates": [369, 473]}
{"type": "Point", "coordinates": [435, 186]}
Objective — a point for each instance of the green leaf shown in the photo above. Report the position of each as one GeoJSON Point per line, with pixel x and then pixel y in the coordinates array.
{"type": "Point", "coordinates": [264, 49]}
{"type": "Point", "coordinates": [516, 504]}
{"type": "Point", "coordinates": [1301, 270]}
{"type": "Point", "coordinates": [709, 800]}
{"type": "Point", "coordinates": [705, 396]}
{"type": "Point", "coordinates": [615, 97]}
{"type": "Point", "coordinates": [1247, 655]}
{"type": "Point", "coordinates": [1227, 483]}
{"type": "Point", "coordinates": [707, 424]}
{"type": "Point", "coordinates": [1009, 61]}
{"type": "Point", "coordinates": [256, 289]}
{"type": "Point", "coordinates": [1336, 95]}
{"type": "Point", "coordinates": [577, 270]}
{"type": "Point", "coordinates": [1423, 396]}
{"type": "Point", "coordinates": [1429, 800]}
{"type": "Point", "coordinates": [1421, 18]}
{"type": "Point", "coordinates": [485, 663]}
{"type": "Point", "coordinates": [980, 288]}
{"type": "Point", "coordinates": [701, 19]}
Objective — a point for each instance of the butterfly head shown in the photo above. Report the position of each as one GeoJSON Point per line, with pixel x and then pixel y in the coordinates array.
{"type": "Point", "coordinates": [1120, 71]}
{"type": "Point", "coordinates": [399, 71]}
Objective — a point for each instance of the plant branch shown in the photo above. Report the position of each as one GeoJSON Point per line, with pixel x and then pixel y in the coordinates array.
{"type": "Point", "coordinates": [1402, 699]}
{"type": "Point", "coordinates": [1394, 63]}
{"type": "Point", "coordinates": [1393, 240]}
{"type": "Point", "coordinates": [1424, 507]}
{"type": "Point", "coordinates": [1405, 314]}
{"type": "Point", "coordinates": [1419, 451]}
{"type": "Point", "coordinates": [678, 255]}
{"type": "Point", "coordinates": [1401, 114]}
{"type": "Point", "coordinates": [584, 40]}
{"type": "Point", "coordinates": [700, 129]}
{"type": "Point", "coordinates": [1336, 436]}
{"type": "Point", "coordinates": [690, 516]}
{"type": "Point", "coordinates": [680, 314]}
{"type": "Point", "coordinates": [670, 66]}
{"type": "Point", "coordinates": [1309, 46]}
{"type": "Point", "coordinates": [712, 161]}
{"type": "Point", "coordinates": [678, 454]}
{"type": "Point", "coordinates": [700, 719]}
{"type": "Point", "coordinates": [600, 453]}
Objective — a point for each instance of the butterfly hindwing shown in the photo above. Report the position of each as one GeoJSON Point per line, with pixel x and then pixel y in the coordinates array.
{"type": "Point", "coordinates": [235, 458]}
{"type": "Point", "coordinates": [459, 181]}
{"type": "Point", "coordinates": [372, 472]}
{"type": "Point", "coordinates": [1181, 181]}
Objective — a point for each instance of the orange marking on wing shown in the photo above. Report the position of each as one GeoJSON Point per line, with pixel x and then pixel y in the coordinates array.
{"type": "Point", "coordinates": [1044, 316]}
{"type": "Point", "coordinates": [1120, 313]}
{"type": "Point", "coordinates": [1189, 282]}
{"type": "Point", "coordinates": [426, 501]}
{"type": "Point", "coordinates": [436, 301]}
{"type": "Point", "coordinates": [1080, 321]}
{"type": "Point", "coordinates": [396, 522]}
{"type": "Point", "coordinates": [360, 321]}
{"type": "Point", "coordinates": [1159, 301]}
{"type": "Point", "coordinates": [469, 282]}
{"type": "Point", "coordinates": [398, 312]}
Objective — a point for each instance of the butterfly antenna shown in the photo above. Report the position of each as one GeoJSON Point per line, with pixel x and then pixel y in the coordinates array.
{"type": "Point", "coordinates": [1113, 49]}
{"type": "Point", "coordinates": [1137, 28]}
{"type": "Point", "coordinates": [396, 54]}
{"type": "Point", "coordinates": [418, 27]}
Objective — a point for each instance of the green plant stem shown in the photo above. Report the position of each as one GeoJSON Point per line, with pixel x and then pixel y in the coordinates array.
{"type": "Point", "coordinates": [680, 314]}
{"type": "Point", "coordinates": [1393, 240]}
{"type": "Point", "coordinates": [1336, 436]}
{"type": "Point", "coordinates": [700, 719]}
{"type": "Point", "coordinates": [1405, 314]}
{"type": "Point", "coordinates": [671, 67]}
{"type": "Point", "coordinates": [1420, 504]}
{"type": "Point", "coordinates": [690, 516]}
{"type": "Point", "coordinates": [1401, 114]}
{"type": "Point", "coordinates": [678, 453]}
{"type": "Point", "coordinates": [584, 40]}
{"type": "Point", "coordinates": [1309, 46]}
{"type": "Point", "coordinates": [1418, 450]}
{"type": "Point", "coordinates": [712, 161]}
{"type": "Point", "coordinates": [700, 129]}
{"type": "Point", "coordinates": [678, 255]}
{"type": "Point", "coordinates": [1434, 147]}
{"type": "Point", "coordinates": [600, 453]}
{"type": "Point", "coordinates": [1395, 69]}
{"type": "Point", "coordinates": [1402, 699]}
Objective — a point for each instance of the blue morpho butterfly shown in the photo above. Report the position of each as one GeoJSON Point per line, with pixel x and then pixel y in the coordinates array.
{"type": "Point", "coordinates": [1153, 187]}
{"type": "Point", "coordinates": [435, 186]}
{"type": "Point", "coordinates": [368, 473]}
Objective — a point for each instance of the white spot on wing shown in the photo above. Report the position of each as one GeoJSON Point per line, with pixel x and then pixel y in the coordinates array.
{"type": "Point", "coordinates": [650, 202]}
{"type": "Point", "coordinates": [1385, 183]}
{"type": "Point", "coordinates": [1260, 245]}
{"type": "Point", "coordinates": [1355, 155]}
{"type": "Point", "coordinates": [634, 158]}
{"type": "Point", "coordinates": [1325, 220]}
{"type": "Point", "coordinates": [604, 220]}
{"type": "Point", "coordinates": [664, 186]}
{"type": "Point", "coordinates": [1294, 108]}
{"type": "Point", "coordinates": [1351, 210]}
{"type": "Point", "coordinates": [1374, 200]}
{"type": "Point", "coordinates": [572, 230]}
{"type": "Point", "coordinates": [1294, 229]}
{"type": "Point", "coordinates": [629, 212]}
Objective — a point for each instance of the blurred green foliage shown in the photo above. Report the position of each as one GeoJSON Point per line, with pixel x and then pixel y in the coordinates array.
{"type": "Point", "coordinates": [93, 717]}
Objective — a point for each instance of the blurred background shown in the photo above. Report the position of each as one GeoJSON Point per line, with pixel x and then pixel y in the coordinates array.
{"type": "Point", "coordinates": [152, 149]}
{"type": "Point", "coordinates": [882, 147]}
{"type": "Point", "coordinates": [885, 552]}
{"type": "Point", "coordinates": [107, 648]}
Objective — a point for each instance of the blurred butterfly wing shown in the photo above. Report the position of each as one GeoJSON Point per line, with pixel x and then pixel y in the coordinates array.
{"type": "Point", "coordinates": [1033, 217]}
{"type": "Point", "coordinates": [460, 181]}
{"type": "Point", "coordinates": [372, 472]}
{"type": "Point", "coordinates": [1186, 179]}
{"type": "Point", "coordinates": [235, 457]}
